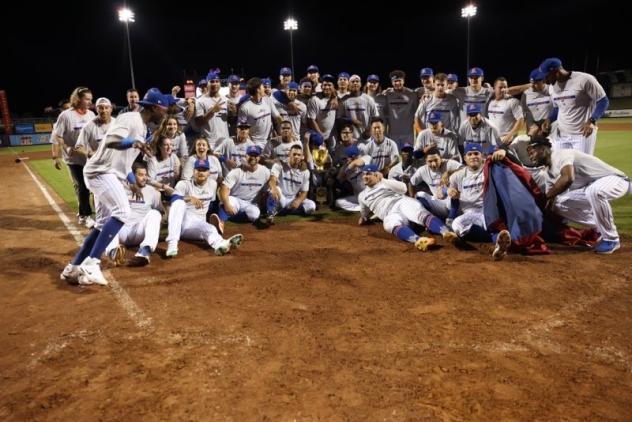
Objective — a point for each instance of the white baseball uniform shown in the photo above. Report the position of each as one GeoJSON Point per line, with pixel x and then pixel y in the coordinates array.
{"type": "Point", "coordinates": [290, 183]}
{"type": "Point", "coordinates": [447, 143]}
{"type": "Point", "coordinates": [245, 187]}
{"type": "Point", "coordinates": [93, 133]}
{"type": "Point", "coordinates": [432, 179]}
{"type": "Point", "coordinates": [354, 177]}
{"type": "Point", "coordinates": [382, 154]}
{"type": "Point", "coordinates": [163, 171]}
{"type": "Point", "coordinates": [486, 134]}
{"type": "Point", "coordinates": [233, 150]}
{"type": "Point", "coordinates": [504, 113]}
{"type": "Point", "coordinates": [536, 105]}
{"type": "Point", "coordinates": [470, 185]}
{"type": "Point", "coordinates": [259, 116]}
{"type": "Point", "coordinates": [215, 168]}
{"type": "Point", "coordinates": [217, 126]}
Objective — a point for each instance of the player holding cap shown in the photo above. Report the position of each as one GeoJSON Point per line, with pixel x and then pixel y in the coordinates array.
{"type": "Point", "coordinates": [580, 188]}
{"type": "Point", "coordinates": [387, 199]}
{"type": "Point", "coordinates": [578, 101]}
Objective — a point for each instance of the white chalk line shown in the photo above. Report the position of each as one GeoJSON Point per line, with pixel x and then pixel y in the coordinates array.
{"type": "Point", "coordinates": [135, 313]}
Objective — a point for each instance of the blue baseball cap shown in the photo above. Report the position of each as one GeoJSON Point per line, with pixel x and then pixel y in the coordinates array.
{"type": "Point", "coordinates": [154, 97]}
{"type": "Point", "coordinates": [266, 81]}
{"type": "Point", "coordinates": [202, 82]}
{"type": "Point", "coordinates": [292, 85]}
{"type": "Point", "coordinates": [343, 75]}
{"type": "Point", "coordinates": [313, 69]}
{"type": "Point", "coordinates": [372, 78]}
{"type": "Point", "coordinates": [475, 72]}
{"type": "Point", "coordinates": [473, 108]}
{"type": "Point", "coordinates": [316, 138]}
{"type": "Point", "coordinates": [434, 117]}
{"type": "Point", "coordinates": [328, 78]}
{"type": "Point", "coordinates": [234, 79]}
{"type": "Point", "coordinates": [536, 75]}
{"type": "Point", "coordinates": [285, 71]}
{"type": "Point", "coordinates": [550, 64]}
{"type": "Point", "coordinates": [370, 167]}
{"type": "Point", "coordinates": [212, 75]}
{"type": "Point", "coordinates": [243, 123]}
{"type": "Point", "coordinates": [407, 147]}
{"type": "Point", "coordinates": [352, 151]}
{"type": "Point", "coordinates": [418, 154]}
{"type": "Point", "coordinates": [473, 146]}
{"type": "Point", "coordinates": [426, 72]}
{"type": "Point", "coordinates": [201, 164]}
{"type": "Point", "coordinates": [452, 77]}
{"type": "Point", "coordinates": [253, 150]}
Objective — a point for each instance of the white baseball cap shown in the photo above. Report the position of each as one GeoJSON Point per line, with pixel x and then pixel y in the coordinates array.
{"type": "Point", "coordinates": [103, 101]}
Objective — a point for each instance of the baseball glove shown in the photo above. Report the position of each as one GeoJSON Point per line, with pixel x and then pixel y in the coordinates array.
{"type": "Point", "coordinates": [117, 256]}
{"type": "Point", "coordinates": [424, 242]}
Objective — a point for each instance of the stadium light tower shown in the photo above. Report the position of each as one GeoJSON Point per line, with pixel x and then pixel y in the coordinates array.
{"type": "Point", "coordinates": [468, 12]}
{"type": "Point", "coordinates": [126, 16]}
{"type": "Point", "coordinates": [291, 24]}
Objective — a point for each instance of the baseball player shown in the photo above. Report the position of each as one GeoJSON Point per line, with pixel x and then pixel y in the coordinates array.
{"type": "Point", "coordinates": [105, 175]}
{"type": "Point", "coordinates": [203, 152]}
{"type": "Point", "coordinates": [580, 188]}
{"type": "Point", "coordinates": [65, 134]}
{"type": "Point", "coordinates": [232, 102]}
{"type": "Point", "coordinates": [466, 192]}
{"type": "Point", "coordinates": [289, 185]}
{"type": "Point", "coordinates": [474, 92]}
{"type": "Point", "coordinates": [290, 108]}
{"type": "Point", "coordinates": [374, 90]}
{"type": "Point", "coordinates": [453, 82]}
{"type": "Point", "coordinates": [477, 129]}
{"type": "Point", "coordinates": [285, 77]}
{"type": "Point", "coordinates": [578, 101]}
{"type": "Point", "coordinates": [164, 167]}
{"type": "Point", "coordinates": [400, 108]}
{"type": "Point", "coordinates": [426, 76]}
{"type": "Point", "coordinates": [350, 179]}
{"type": "Point", "coordinates": [387, 199]}
{"type": "Point", "coordinates": [143, 226]}
{"type": "Point", "coordinates": [242, 189]}
{"type": "Point", "coordinates": [536, 103]}
{"type": "Point", "coordinates": [403, 170]}
{"type": "Point", "coordinates": [187, 215]}
{"type": "Point", "coordinates": [431, 174]}
{"type": "Point", "coordinates": [313, 73]}
{"type": "Point", "coordinates": [437, 136]}
{"type": "Point", "coordinates": [382, 151]}
{"type": "Point", "coordinates": [343, 85]}
{"type": "Point", "coordinates": [505, 112]}
{"type": "Point", "coordinates": [94, 132]}
{"type": "Point", "coordinates": [321, 110]}
{"type": "Point", "coordinates": [442, 102]}
{"type": "Point", "coordinates": [278, 148]}
{"type": "Point", "coordinates": [232, 152]}
{"type": "Point", "coordinates": [211, 112]}
{"type": "Point", "coordinates": [359, 107]}
{"type": "Point", "coordinates": [258, 113]}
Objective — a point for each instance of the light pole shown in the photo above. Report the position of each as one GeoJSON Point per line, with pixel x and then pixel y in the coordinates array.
{"type": "Point", "coordinates": [468, 12]}
{"type": "Point", "coordinates": [126, 16]}
{"type": "Point", "coordinates": [291, 24]}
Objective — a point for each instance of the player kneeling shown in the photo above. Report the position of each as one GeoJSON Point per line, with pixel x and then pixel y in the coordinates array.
{"type": "Point", "coordinates": [187, 216]}
{"type": "Point", "coordinates": [387, 199]}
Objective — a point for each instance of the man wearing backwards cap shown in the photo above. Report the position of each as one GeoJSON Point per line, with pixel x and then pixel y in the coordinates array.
{"type": "Point", "coordinates": [580, 187]}
{"type": "Point", "coordinates": [387, 199]}
{"type": "Point", "coordinates": [578, 101]}
{"type": "Point", "coordinates": [399, 112]}
{"type": "Point", "coordinates": [359, 107]}
{"type": "Point", "coordinates": [187, 216]}
{"type": "Point", "coordinates": [478, 129]}
{"type": "Point", "coordinates": [109, 169]}
{"type": "Point", "coordinates": [211, 112]}
{"type": "Point", "coordinates": [94, 132]}
{"type": "Point", "coordinates": [466, 193]}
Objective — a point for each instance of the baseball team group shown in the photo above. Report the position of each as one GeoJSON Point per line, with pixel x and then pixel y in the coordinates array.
{"type": "Point", "coordinates": [465, 163]}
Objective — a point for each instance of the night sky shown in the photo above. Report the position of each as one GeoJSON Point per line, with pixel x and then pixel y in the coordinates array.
{"type": "Point", "coordinates": [54, 47]}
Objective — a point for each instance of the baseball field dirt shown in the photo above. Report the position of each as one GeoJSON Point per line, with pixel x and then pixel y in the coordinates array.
{"type": "Point", "coordinates": [307, 321]}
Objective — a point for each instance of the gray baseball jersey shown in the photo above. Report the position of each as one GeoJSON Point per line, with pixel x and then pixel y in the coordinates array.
{"type": "Point", "coordinates": [276, 149]}
{"type": "Point", "coordinates": [382, 154]}
{"type": "Point", "coordinates": [294, 117]}
{"type": "Point", "coordinates": [232, 150]}
{"type": "Point", "coordinates": [470, 184]}
{"type": "Point", "coordinates": [466, 95]}
{"type": "Point", "coordinates": [504, 113]}
{"type": "Point", "coordinates": [447, 106]}
{"type": "Point", "coordinates": [361, 107]}
{"type": "Point", "coordinates": [163, 171]}
{"type": "Point", "coordinates": [433, 178]}
{"type": "Point", "coordinates": [536, 105]}
{"type": "Point", "coordinates": [291, 181]}
{"type": "Point", "coordinates": [217, 126]}
{"type": "Point", "coordinates": [110, 160]}
{"type": "Point", "coordinates": [447, 143]}
{"type": "Point", "coordinates": [205, 193]}
{"type": "Point", "coordinates": [259, 116]}
{"type": "Point", "coordinates": [381, 198]}
{"type": "Point", "coordinates": [486, 134]}
{"type": "Point", "coordinates": [92, 134]}
{"type": "Point", "coordinates": [140, 207]}
{"type": "Point", "coordinates": [246, 185]}
{"type": "Point", "coordinates": [68, 127]}
{"type": "Point", "coordinates": [318, 109]}
{"type": "Point", "coordinates": [576, 101]}
{"type": "Point", "coordinates": [399, 173]}
{"type": "Point", "coordinates": [399, 112]}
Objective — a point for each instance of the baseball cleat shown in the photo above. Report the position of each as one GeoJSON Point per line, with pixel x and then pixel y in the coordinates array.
{"type": "Point", "coordinates": [217, 222]}
{"type": "Point", "coordinates": [141, 258]}
{"type": "Point", "coordinates": [235, 241]}
{"type": "Point", "coordinates": [70, 274]}
{"type": "Point", "coordinates": [424, 242]}
{"type": "Point", "coordinates": [172, 250]}
{"type": "Point", "coordinates": [117, 255]}
{"type": "Point", "coordinates": [606, 247]}
{"type": "Point", "coordinates": [503, 242]}
{"type": "Point", "coordinates": [91, 272]}
{"type": "Point", "coordinates": [222, 248]}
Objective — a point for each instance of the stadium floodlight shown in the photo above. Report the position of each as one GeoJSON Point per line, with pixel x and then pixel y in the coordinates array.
{"type": "Point", "coordinates": [468, 12]}
{"type": "Point", "coordinates": [126, 16]}
{"type": "Point", "coordinates": [291, 25]}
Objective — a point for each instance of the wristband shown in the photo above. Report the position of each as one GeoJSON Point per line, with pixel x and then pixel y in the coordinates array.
{"type": "Point", "coordinates": [127, 143]}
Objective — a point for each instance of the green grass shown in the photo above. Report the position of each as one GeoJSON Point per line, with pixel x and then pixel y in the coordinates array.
{"type": "Point", "coordinates": [24, 149]}
{"type": "Point", "coordinates": [59, 180]}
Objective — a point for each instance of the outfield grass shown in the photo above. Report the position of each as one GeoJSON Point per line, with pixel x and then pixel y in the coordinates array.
{"type": "Point", "coordinates": [24, 149]}
{"type": "Point", "coordinates": [614, 147]}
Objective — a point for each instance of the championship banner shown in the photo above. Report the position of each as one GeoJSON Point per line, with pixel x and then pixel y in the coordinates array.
{"type": "Point", "coordinates": [33, 139]}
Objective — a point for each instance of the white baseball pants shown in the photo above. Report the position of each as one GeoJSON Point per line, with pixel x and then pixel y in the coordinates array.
{"type": "Point", "coordinates": [308, 205]}
{"type": "Point", "coordinates": [577, 142]}
{"type": "Point", "coordinates": [252, 210]}
{"type": "Point", "coordinates": [406, 210]}
{"type": "Point", "coordinates": [437, 207]}
{"type": "Point", "coordinates": [464, 222]}
{"type": "Point", "coordinates": [186, 225]}
{"type": "Point", "coordinates": [110, 199]}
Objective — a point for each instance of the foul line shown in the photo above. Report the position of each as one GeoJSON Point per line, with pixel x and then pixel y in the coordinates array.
{"type": "Point", "coordinates": [133, 310]}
